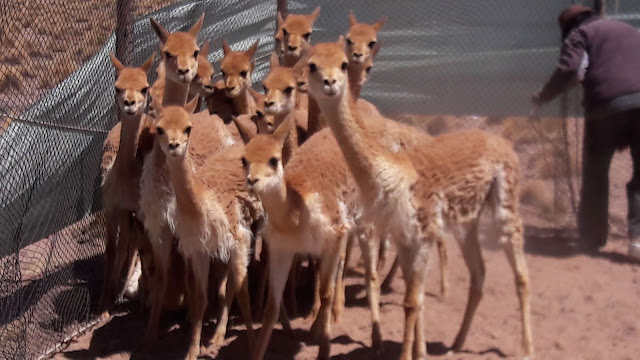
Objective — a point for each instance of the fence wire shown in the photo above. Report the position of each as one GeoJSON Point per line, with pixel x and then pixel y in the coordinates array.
{"type": "Point", "coordinates": [445, 65]}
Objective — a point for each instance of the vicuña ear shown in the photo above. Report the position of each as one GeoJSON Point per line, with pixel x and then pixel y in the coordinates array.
{"type": "Point", "coordinates": [195, 29]}
{"type": "Point", "coordinates": [280, 20]}
{"type": "Point", "coordinates": [253, 48]}
{"type": "Point", "coordinates": [245, 132]}
{"type": "Point", "coordinates": [379, 24]}
{"type": "Point", "coordinates": [226, 49]}
{"type": "Point", "coordinates": [341, 41]}
{"type": "Point", "coordinates": [204, 49]}
{"type": "Point", "coordinates": [147, 64]}
{"type": "Point", "coordinates": [192, 105]}
{"type": "Point", "coordinates": [255, 94]}
{"type": "Point", "coordinates": [298, 68]}
{"type": "Point", "coordinates": [314, 15]}
{"type": "Point", "coordinates": [274, 61]}
{"type": "Point", "coordinates": [352, 18]}
{"type": "Point", "coordinates": [162, 33]}
{"type": "Point", "coordinates": [282, 131]}
{"type": "Point", "coordinates": [376, 49]}
{"type": "Point", "coordinates": [116, 63]}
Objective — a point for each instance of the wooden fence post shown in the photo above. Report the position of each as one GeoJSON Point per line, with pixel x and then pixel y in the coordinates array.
{"type": "Point", "coordinates": [124, 31]}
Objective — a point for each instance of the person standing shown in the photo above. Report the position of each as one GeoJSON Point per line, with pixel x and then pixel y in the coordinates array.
{"type": "Point", "coordinates": [603, 55]}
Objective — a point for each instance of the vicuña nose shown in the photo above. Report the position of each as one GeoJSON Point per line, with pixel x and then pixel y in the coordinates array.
{"type": "Point", "coordinates": [329, 81]}
{"type": "Point", "coordinates": [251, 181]}
{"type": "Point", "coordinates": [231, 88]}
{"type": "Point", "coordinates": [292, 48]}
{"type": "Point", "coordinates": [129, 102]}
{"type": "Point", "coordinates": [183, 71]}
{"type": "Point", "coordinates": [357, 55]}
{"type": "Point", "coordinates": [173, 146]}
{"type": "Point", "coordinates": [269, 103]}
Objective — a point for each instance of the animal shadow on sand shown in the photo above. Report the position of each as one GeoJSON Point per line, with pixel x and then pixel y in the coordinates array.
{"type": "Point", "coordinates": [391, 350]}
{"type": "Point", "coordinates": [564, 243]}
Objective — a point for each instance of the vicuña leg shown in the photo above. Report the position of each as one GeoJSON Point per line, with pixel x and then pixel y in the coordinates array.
{"type": "Point", "coordinates": [414, 269]}
{"type": "Point", "coordinates": [473, 259]}
{"type": "Point", "coordinates": [161, 259]}
{"type": "Point", "coordinates": [240, 285]}
{"type": "Point", "coordinates": [321, 329]}
{"type": "Point", "coordinates": [515, 255]}
{"type": "Point", "coordinates": [200, 267]}
{"type": "Point", "coordinates": [223, 313]}
{"type": "Point", "coordinates": [370, 253]}
{"type": "Point", "coordinates": [111, 243]}
{"type": "Point", "coordinates": [444, 265]}
{"type": "Point", "coordinates": [279, 265]}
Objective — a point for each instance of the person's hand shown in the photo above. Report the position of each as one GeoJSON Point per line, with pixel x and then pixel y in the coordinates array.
{"type": "Point", "coordinates": [535, 105]}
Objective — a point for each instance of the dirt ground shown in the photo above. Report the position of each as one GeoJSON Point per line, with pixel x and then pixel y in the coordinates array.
{"type": "Point", "coordinates": [582, 307]}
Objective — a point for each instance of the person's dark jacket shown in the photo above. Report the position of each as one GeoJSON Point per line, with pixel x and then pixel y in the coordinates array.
{"type": "Point", "coordinates": [605, 55]}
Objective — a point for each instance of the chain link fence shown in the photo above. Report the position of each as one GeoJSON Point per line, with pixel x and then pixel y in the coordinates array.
{"type": "Point", "coordinates": [444, 66]}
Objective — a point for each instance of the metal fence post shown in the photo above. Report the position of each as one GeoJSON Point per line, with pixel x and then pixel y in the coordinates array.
{"type": "Point", "coordinates": [282, 7]}
{"type": "Point", "coordinates": [124, 31]}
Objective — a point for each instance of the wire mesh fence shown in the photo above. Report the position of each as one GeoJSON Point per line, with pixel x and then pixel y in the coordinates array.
{"type": "Point", "coordinates": [444, 66]}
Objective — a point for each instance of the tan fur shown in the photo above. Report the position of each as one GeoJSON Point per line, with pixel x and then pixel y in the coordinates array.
{"type": "Point", "coordinates": [179, 54]}
{"type": "Point", "coordinates": [416, 199]}
{"type": "Point", "coordinates": [157, 198]}
{"type": "Point", "coordinates": [121, 174]}
{"type": "Point", "coordinates": [201, 85]}
{"type": "Point", "coordinates": [293, 33]}
{"type": "Point", "coordinates": [309, 212]}
{"type": "Point", "coordinates": [211, 217]}
{"type": "Point", "coordinates": [236, 68]}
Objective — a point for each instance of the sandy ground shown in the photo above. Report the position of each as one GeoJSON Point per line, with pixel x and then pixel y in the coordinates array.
{"type": "Point", "coordinates": [583, 307]}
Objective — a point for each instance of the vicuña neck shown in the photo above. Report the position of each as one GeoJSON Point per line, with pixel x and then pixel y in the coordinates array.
{"type": "Point", "coordinates": [244, 103]}
{"type": "Point", "coordinates": [354, 73]}
{"type": "Point", "coordinates": [361, 152]}
{"type": "Point", "coordinates": [289, 60]}
{"type": "Point", "coordinates": [279, 203]}
{"type": "Point", "coordinates": [129, 135]}
{"type": "Point", "coordinates": [315, 121]}
{"type": "Point", "coordinates": [175, 92]}
{"type": "Point", "coordinates": [186, 187]}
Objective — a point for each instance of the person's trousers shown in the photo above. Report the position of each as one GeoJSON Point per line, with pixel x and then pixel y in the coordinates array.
{"type": "Point", "coordinates": [602, 137]}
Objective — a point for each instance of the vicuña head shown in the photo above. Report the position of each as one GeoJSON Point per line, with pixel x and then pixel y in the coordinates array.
{"type": "Point", "coordinates": [263, 162]}
{"type": "Point", "coordinates": [132, 86]}
{"type": "Point", "coordinates": [204, 75]}
{"type": "Point", "coordinates": [264, 122]}
{"type": "Point", "coordinates": [362, 39]}
{"type": "Point", "coordinates": [281, 87]}
{"type": "Point", "coordinates": [236, 68]}
{"type": "Point", "coordinates": [295, 30]}
{"type": "Point", "coordinates": [179, 51]}
{"type": "Point", "coordinates": [173, 129]}
{"type": "Point", "coordinates": [363, 70]}
{"type": "Point", "coordinates": [327, 68]}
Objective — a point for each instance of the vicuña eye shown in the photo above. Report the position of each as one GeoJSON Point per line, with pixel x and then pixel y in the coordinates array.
{"type": "Point", "coordinates": [368, 70]}
{"type": "Point", "coordinates": [244, 162]}
{"type": "Point", "coordinates": [160, 130]}
{"type": "Point", "coordinates": [167, 55]}
{"type": "Point", "coordinates": [243, 73]}
{"type": "Point", "coordinates": [372, 44]}
{"type": "Point", "coordinates": [144, 90]}
{"type": "Point", "coordinates": [273, 162]}
{"type": "Point", "coordinates": [349, 42]}
{"type": "Point", "coordinates": [196, 53]}
{"type": "Point", "coordinates": [344, 66]}
{"type": "Point", "coordinates": [288, 90]}
{"type": "Point", "coordinates": [285, 32]}
{"type": "Point", "coordinates": [266, 90]}
{"type": "Point", "coordinates": [313, 68]}
{"type": "Point", "coordinates": [307, 36]}
{"type": "Point", "coordinates": [223, 74]}
{"type": "Point", "coordinates": [118, 90]}
{"type": "Point", "coordinates": [187, 130]}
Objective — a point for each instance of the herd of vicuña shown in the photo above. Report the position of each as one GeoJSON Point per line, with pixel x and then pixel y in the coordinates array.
{"type": "Point", "coordinates": [295, 175]}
